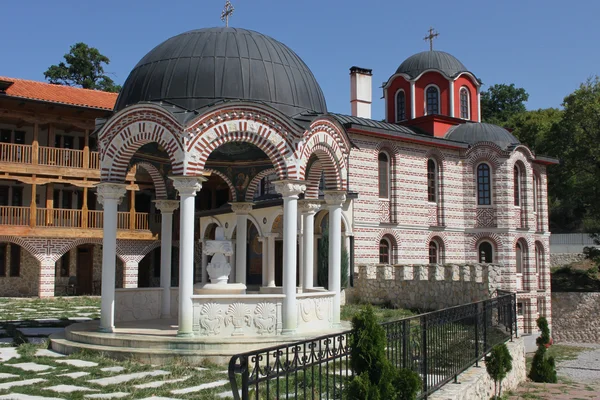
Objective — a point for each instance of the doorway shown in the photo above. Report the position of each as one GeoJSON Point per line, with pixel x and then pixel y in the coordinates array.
{"type": "Point", "coordinates": [85, 269]}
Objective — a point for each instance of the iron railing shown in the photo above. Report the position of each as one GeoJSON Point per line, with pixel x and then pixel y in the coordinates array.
{"type": "Point", "coordinates": [437, 345]}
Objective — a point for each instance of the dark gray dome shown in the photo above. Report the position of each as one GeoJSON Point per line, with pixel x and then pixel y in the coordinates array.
{"type": "Point", "coordinates": [474, 132]}
{"type": "Point", "coordinates": [414, 65]}
{"type": "Point", "coordinates": [200, 67]}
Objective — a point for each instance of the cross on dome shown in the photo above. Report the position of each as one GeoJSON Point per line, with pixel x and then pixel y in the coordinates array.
{"type": "Point", "coordinates": [430, 37]}
{"type": "Point", "coordinates": [227, 12]}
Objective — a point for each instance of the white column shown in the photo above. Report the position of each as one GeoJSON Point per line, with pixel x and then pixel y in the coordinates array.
{"type": "Point", "coordinates": [452, 98]}
{"type": "Point", "coordinates": [478, 104]}
{"type": "Point", "coordinates": [413, 106]}
{"type": "Point", "coordinates": [130, 274]}
{"type": "Point", "coordinates": [166, 208]}
{"type": "Point", "coordinates": [204, 263]}
{"type": "Point", "coordinates": [187, 187]}
{"type": "Point", "coordinates": [271, 260]}
{"type": "Point", "coordinates": [308, 210]}
{"type": "Point", "coordinates": [334, 200]}
{"type": "Point", "coordinates": [264, 242]}
{"type": "Point", "coordinates": [289, 190]}
{"type": "Point", "coordinates": [110, 196]}
{"type": "Point", "coordinates": [241, 211]}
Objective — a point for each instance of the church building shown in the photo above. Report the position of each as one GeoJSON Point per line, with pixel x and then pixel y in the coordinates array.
{"type": "Point", "coordinates": [228, 128]}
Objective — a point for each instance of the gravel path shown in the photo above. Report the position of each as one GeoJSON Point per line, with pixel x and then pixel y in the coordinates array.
{"type": "Point", "coordinates": [584, 369]}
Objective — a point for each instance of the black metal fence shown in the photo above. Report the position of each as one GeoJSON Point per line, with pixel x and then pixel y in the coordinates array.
{"type": "Point", "coordinates": [437, 345]}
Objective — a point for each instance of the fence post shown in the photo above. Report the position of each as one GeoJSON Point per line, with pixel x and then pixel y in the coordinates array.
{"type": "Point", "coordinates": [243, 369]}
{"type": "Point", "coordinates": [476, 334]}
{"type": "Point", "coordinates": [405, 342]}
{"type": "Point", "coordinates": [424, 353]}
{"type": "Point", "coordinates": [485, 321]}
{"type": "Point", "coordinates": [513, 316]}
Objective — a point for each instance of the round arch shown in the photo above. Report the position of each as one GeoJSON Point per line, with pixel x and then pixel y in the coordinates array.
{"type": "Point", "coordinates": [160, 186]}
{"type": "Point", "coordinates": [232, 192]}
{"type": "Point", "coordinates": [253, 185]}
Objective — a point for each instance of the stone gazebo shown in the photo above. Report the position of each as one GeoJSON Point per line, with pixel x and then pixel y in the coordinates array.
{"type": "Point", "coordinates": [226, 102]}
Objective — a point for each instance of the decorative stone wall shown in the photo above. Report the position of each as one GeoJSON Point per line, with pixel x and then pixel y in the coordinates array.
{"type": "Point", "coordinates": [560, 259]}
{"type": "Point", "coordinates": [475, 383]}
{"type": "Point", "coordinates": [427, 287]}
{"type": "Point", "coordinates": [137, 304]}
{"type": "Point", "coordinates": [27, 283]}
{"type": "Point", "coordinates": [575, 317]}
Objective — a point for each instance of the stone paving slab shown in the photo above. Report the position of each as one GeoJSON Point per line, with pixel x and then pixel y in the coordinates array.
{"type": "Point", "coordinates": [159, 398]}
{"type": "Point", "coordinates": [26, 382]}
{"type": "Point", "coordinates": [79, 363]}
{"type": "Point", "coordinates": [200, 387]}
{"type": "Point", "coordinates": [6, 376]}
{"type": "Point", "coordinates": [19, 396]}
{"type": "Point", "coordinates": [113, 380]}
{"type": "Point", "coordinates": [156, 384]}
{"type": "Point", "coordinates": [30, 366]}
{"type": "Point", "coordinates": [115, 395]}
{"type": "Point", "coordinates": [112, 369]}
{"type": "Point", "coordinates": [70, 389]}
{"type": "Point", "coordinates": [75, 375]}
{"type": "Point", "coordinates": [48, 353]}
{"type": "Point", "coordinates": [39, 331]}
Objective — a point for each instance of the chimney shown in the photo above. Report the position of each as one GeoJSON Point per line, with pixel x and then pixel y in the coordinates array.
{"type": "Point", "coordinates": [361, 92]}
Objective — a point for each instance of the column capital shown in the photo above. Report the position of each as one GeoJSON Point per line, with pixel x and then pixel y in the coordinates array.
{"type": "Point", "coordinates": [290, 187]}
{"type": "Point", "coordinates": [241, 208]}
{"type": "Point", "coordinates": [166, 206]}
{"type": "Point", "coordinates": [309, 206]}
{"type": "Point", "coordinates": [335, 198]}
{"type": "Point", "coordinates": [110, 191]}
{"type": "Point", "coordinates": [187, 185]}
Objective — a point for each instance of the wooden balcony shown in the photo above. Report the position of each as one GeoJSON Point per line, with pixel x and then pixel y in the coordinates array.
{"type": "Point", "coordinates": [57, 222]}
{"type": "Point", "coordinates": [49, 156]}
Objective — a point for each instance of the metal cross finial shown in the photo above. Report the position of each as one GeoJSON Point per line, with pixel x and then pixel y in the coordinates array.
{"type": "Point", "coordinates": [227, 12]}
{"type": "Point", "coordinates": [430, 37]}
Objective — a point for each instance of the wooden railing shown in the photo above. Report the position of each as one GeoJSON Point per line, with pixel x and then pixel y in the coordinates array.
{"type": "Point", "coordinates": [17, 153]}
{"type": "Point", "coordinates": [65, 218]}
{"type": "Point", "coordinates": [16, 216]}
{"type": "Point", "coordinates": [52, 156]}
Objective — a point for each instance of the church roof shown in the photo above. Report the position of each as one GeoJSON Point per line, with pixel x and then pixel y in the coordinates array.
{"type": "Point", "coordinates": [441, 61]}
{"type": "Point", "coordinates": [201, 67]}
{"type": "Point", "coordinates": [474, 132]}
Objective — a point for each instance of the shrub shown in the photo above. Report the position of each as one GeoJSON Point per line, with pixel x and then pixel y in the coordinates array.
{"type": "Point", "coordinates": [323, 262]}
{"type": "Point", "coordinates": [498, 364]}
{"type": "Point", "coordinates": [543, 369]}
{"type": "Point", "coordinates": [544, 338]}
{"type": "Point", "coordinates": [375, 377]}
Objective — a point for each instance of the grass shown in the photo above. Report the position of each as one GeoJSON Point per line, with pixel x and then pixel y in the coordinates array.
{"type": "Point", "coordinates": [383, 313]}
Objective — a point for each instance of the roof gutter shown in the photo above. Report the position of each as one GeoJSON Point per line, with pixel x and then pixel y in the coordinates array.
{"type": "Point", "coordinates": [406, 137]}
{"type": "Point", "coordinates": [547, 160]}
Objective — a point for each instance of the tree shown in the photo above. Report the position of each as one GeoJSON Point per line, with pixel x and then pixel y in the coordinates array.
{"type": "Point", "coordinates": [83, 67]}
{"type": "Point", "coordinates": [533, 128]}
{"type": "Point", "coordinates": [498, 364]}
{"type": "Point", "coordinates": [543, 369]}
{"type": "Point", "coordinates": [500, 102]}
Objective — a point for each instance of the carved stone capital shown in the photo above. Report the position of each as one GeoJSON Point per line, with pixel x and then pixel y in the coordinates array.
{"type": "Point", "coordinates": [308, 206]}
{"type": "Point", "coordinates": [110, 191]}
{"type": "Point", "coordinates": [335, 198]}
{"type": "Point", "coordinates": [241, 208]}
{"type": "Point", "coordinates": [187, 185]}
{"type": "Point", "coordinates": [166, 206]}
{"type": "Point", "coordinates": [289, 187]}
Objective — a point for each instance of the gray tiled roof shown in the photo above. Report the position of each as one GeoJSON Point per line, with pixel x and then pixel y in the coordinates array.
{"type": "Point", "coordinates": [414, 65]}
{"type": "Point", "coordinates": [474, 132]}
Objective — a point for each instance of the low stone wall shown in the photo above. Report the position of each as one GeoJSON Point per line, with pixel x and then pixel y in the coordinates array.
{"type": "Point", "coordinates": [560, 259]}
{"type": "Point", "coordinates": [475, 383]}
{"type": "Point", "coordinates": [575, 317]}
{"type": "Point", "coordinates": [427, 287]}
{"type": "Point", "coordinates": [137, 304]}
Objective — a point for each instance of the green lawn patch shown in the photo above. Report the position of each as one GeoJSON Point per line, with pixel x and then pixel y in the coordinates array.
{"type": "Point", "coordinates": [383, 313]}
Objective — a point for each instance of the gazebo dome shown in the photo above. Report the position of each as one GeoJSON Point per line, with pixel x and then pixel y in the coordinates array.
{"type": "Point", "coordinates": [200, 67]}
{"type": "Point", "coordinates": [481, 132]}
{"type": "Point", "coordinates": [441, 61]}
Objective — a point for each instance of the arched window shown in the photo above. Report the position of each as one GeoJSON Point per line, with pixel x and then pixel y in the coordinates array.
{"type": "Point", "coordinates": [384, 176]}
{"type": "Point", "coordinates": [384, 251]}
{"type": "Point", "coordinates": [535, 193]}
{"type": "Point", "coordinates": [517, 186]}
{"type": "Point", "coordinates": [432, 181]}
{"type": "Point", "coordinates": [486, 252]}
{"type": "Point", "coordinates": [433, 100]}
{"type": "Point", "coordinates": [436, 252]}
{"type": "Point", "coordinates": [484, 187]}
{"type": "Point", "coordinates": [400, 106]}
{"type": "Point", "coordinates": [465, 109]}
{"type": "Point", "coordinates": [519, 252]}
{"type": "Point", "coordinates": [539, 264]}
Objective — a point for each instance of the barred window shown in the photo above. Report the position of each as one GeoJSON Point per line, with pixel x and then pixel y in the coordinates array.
{"type": "Point", "coordinates": [464, 103]}
{"type": "Point", "coordinates": [384, 176]}
{"type": "Point", "coordinates": [384, 251]}
{"type": "Point", "coordinates": [432, 181]}
{"type": "Point", "coordinates": [400, 106]}
{"type": "Point", "coordinates": [484, 192]}
{"type": "Point", "coordinates": [433, 100]}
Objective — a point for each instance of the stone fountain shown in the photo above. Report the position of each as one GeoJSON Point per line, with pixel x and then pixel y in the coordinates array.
{"type": "Point", "coordinates": [219, 267]}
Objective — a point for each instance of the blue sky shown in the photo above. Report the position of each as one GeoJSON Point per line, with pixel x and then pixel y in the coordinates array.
{"type": "Point", "coordinates": [546, 46]}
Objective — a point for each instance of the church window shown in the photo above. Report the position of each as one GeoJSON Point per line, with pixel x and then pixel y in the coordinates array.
{"type": "Point", "coordinates": [517, 186]}
{"type": "Point", "coordinates": [519, 256]}
{"type": "Point", "coordinates": [384, 251]}
{"type": "Point", "coordinates": [464, 103]}
{"type": "Point", "coordinates": [436, 252]}
{"type": "Point", "coordinates": [400, 106]}
{"type": "Point", "coordinates": [484, 191]}
{"type": "Point", "coordinates": [433, 100]}
{"type": "Point", "coordinates": [486, 252]}
{"type": "Point", "coordinates": [384, 176]}
{"type": "Point", "coordinates": [432, 181]}
{"type": "Point", "coordinates": [535, 193]}
{"type": "Point", "coordinates": [520, 308]}
{"type": "Point", "coordinates": [15, 260]}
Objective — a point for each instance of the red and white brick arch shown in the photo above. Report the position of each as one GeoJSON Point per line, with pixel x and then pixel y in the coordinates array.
{"type": "Point", "coordinates": [251, 189]}
{"type": "Point", "coordinates": [160, 186]}
{"type": "Point", "coordinates": [485, 152]}
{"type": "Point", "coordinates": [395, 241]}
{"type": "Point", "coordinates": [134, 127]}
{"type": "Point", "coordinates": [221, 175]}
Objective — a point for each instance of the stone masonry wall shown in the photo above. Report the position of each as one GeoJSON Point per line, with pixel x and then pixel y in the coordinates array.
{"type": "Point", "coordinates": [560, 259]}
{"type": "Point", "coordinates": [575, 317]}
{"type": "Point", "coordinates": [427, 287]}
{"type": "Point", "coordinates": [24, 285]}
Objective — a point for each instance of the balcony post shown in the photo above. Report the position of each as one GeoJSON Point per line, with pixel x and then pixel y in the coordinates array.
{"type": "Point", "coordinates": [84, 209]}
{"type": "Point", "coordinates": [132, 209]}
{"type": "Point", "coordinates": [33, 205]}
{"type": "Point", "coordinates": [49, 204]}
{"type": "Point", "coordinates": [35, 145]}
{"type": "Point", "coordinates": [86, 150]}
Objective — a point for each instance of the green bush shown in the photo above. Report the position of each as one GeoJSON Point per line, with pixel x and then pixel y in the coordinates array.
{"type": "Point", "coordinates": [498, 364]}
{"type": "Point", "coordinates": [323, 262]}
{"type": "Point", "coordinates": [543, 369]}
{"type": "Point", "coordinates": [375, 377]}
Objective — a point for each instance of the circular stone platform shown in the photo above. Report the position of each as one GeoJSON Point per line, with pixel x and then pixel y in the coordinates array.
{"type": "Point", "coordinates": [156, 342]}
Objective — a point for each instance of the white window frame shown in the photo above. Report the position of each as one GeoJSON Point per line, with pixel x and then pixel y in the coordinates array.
{"type": "Point", "coordinates": [389, 176]}
{"type": "Point", "coordinates": [439, 96]}
{"type": "Point", "coordinates": [466, 89]}
{"type": "Point", "coordinates": [518, 182]}
{"type": "Point", "coordinates": [390, 250]}
{"type": "Point", "coordinates": [476, 173]}
{"type": "Point", "coordinates": [437, 181]}
{"type": "Point", "coordinates": [396, 106]}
